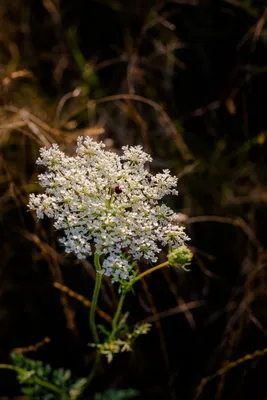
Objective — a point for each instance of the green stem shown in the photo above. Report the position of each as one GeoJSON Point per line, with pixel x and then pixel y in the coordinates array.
{"type": "Point", "coordinates": [117, 315]}
{"type": "Point", "coordinates": [91, 375]}
{"type": "Point", "coordinates": [38, 380]}
{"type": "Point", "coordinates": [93, 370]}
{"type": "Point", "coordinates": [149, 271]}
{"type": "Point", "coordinates": [97, 287]}
{"type": "Point", "coordinates": [124, 292]}
{"type": "Point", "coordinates": [95, 297]}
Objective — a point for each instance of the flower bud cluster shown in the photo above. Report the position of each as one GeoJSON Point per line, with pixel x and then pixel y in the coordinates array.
{"type": "Point", "coordinates": [108, 204]}
{"type": "Point", "coordinates": [180, 257]}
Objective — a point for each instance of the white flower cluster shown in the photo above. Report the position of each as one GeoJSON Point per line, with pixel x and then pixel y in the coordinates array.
{"type": "Point", "coordinates": [107, 203]}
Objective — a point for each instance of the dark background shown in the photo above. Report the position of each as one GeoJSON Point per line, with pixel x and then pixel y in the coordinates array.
{"type": "Point", "coordinates": [199, 69]}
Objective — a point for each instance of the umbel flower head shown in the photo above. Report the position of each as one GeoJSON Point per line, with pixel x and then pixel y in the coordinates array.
{"type": "Point", "coordinates": [108, 204]}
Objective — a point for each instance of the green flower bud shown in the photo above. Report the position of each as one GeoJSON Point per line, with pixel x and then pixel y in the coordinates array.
{"type": "Point", "coordinates": [180, 257]}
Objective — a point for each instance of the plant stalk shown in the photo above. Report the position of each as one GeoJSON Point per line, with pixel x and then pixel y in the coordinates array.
{"type": "Point", "coordinates": [97, 287]}
{"type": "Point", "coordinates": [125, 291]}
{"type": "Point", "coordinates": [149, 271]}
{"type": "Point", "coordinates": [117, 315]}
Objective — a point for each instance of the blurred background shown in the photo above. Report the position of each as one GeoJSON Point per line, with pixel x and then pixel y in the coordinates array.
{"type": "Point", "coordinates": [188, 81]}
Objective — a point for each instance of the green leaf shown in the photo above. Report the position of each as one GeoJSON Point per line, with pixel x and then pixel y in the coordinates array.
{"type": "Point", "coordinates": [67, 375]}
{"type": "Point", "coordinates": [25, 377]}
{"type": "Point", "coordinates": [115, 394]}
{"type": "Point", "coordinates": [76, 388]}
{"type": "Point", "coordinates": [27, 390]}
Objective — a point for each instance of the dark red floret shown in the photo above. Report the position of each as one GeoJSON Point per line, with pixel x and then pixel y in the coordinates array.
{"type": "Point", "coordinates": [117, 189]}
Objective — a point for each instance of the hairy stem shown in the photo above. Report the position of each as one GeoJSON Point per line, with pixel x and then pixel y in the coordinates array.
{"type": "Point", "coordinates": [95, 298]}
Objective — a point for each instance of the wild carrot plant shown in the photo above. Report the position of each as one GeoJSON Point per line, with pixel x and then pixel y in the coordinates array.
{"type": "Point", "coordinates": [110, 207]}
